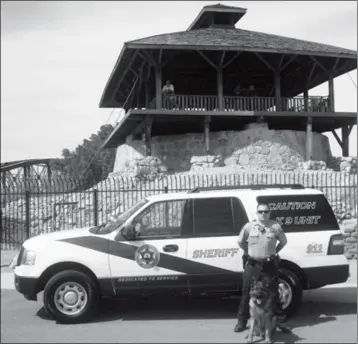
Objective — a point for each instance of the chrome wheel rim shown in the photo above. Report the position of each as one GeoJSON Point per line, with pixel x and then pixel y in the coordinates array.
{"type": "Point", "coordinates": [285, 293]}
{"type": "Point", "coordinates": [70, 298]}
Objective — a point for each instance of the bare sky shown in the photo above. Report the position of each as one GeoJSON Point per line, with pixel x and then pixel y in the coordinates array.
{"type": "Point", "coordinates": [57, 56]}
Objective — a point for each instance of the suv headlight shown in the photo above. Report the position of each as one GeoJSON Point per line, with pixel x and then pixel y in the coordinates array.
{"type": "Point", "coordinates": [28, 257]}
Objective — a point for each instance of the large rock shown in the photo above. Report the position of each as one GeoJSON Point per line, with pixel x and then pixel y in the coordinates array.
{"type": "Point", "coordinates": [205, 161]}
{"type": "Point", "coordinates": [343, 164]}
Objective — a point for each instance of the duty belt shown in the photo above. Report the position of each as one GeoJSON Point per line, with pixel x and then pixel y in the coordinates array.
{"type": "Point", "coordinates": [261, 261]}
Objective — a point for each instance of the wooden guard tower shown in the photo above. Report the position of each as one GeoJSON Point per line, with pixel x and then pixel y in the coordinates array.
{"type": "Point", "coordinates": [206, 63]}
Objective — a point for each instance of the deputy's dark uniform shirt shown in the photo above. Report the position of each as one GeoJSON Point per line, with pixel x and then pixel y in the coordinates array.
{"type": "Point", "coordinates": [261, 240]}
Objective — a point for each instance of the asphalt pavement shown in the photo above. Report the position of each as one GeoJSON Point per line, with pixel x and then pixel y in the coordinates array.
{"type": "Point", "coordinates": [327, 315]}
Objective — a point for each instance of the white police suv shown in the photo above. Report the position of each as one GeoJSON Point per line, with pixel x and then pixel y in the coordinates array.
{"type": "Point", "coordinates": [182, 243]}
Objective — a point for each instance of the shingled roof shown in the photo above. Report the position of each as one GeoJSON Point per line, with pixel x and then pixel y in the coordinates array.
{"type": "Point", "coordinates": [238, 39]}
{"type": "Point", "coordinates": [214, 30]}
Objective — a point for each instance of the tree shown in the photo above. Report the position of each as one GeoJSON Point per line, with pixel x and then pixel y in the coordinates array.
{"type": "Point", "coordinates": [87, 164]}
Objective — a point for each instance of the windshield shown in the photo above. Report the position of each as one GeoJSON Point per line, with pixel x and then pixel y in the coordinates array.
{"type": "Point", "coordinates": [111, 225]}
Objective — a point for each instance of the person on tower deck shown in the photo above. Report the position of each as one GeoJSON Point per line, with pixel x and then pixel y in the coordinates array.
{"type": "Point", "coordinates": [168, 93]}
{"type": "Point", "coordinates": [258, 239]}
{"type": "Point", "coordinates": [168, 88]}
{"type": "Point", "coordinates": [252, 91]}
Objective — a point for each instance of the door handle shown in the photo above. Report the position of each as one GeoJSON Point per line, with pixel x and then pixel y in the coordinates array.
{"type": "Point", "coordinates": [171, 248]}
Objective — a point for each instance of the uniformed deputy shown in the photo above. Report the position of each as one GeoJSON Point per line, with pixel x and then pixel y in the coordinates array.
{"type": "Point", "coordinates": [258, 239]}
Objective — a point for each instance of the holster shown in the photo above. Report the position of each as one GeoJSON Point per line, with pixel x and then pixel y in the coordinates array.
{"type": "Point", "coordinates": [277, 261]}
{"type": "Point", "coordinates": [245, 259]}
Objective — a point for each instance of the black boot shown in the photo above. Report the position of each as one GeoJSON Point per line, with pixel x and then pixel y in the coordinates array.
{"type": "Point", "coordinates": [240, 326]}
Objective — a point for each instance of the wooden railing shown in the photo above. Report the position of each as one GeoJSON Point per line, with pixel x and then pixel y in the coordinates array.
{"type": "Point", "coordinates": [230, 103]}
{"type": "Point", "coordinates": [190, 102]}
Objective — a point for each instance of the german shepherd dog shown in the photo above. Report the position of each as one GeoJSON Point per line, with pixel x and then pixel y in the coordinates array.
{"type": "Point", "coordinates": [262, 321]}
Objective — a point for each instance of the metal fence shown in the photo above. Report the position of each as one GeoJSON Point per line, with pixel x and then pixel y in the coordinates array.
{"type": "Point", "coordinates": [41, 206]}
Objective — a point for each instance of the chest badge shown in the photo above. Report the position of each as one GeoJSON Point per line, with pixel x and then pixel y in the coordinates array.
{"type": "Point", "coordinates": [147, 256]}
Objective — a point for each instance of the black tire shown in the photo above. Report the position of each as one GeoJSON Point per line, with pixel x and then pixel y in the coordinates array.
{"type": "Point", "coordinates": [89, 289]}
{"type": "Point", "coordinates": [294, 283]}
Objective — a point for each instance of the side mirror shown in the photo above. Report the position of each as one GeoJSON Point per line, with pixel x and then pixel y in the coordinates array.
{"type": "Point", "coordinates": [128, 231]}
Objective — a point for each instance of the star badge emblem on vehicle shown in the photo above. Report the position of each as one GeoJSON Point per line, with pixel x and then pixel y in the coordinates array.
{"type": "Point", "coordinates": [147, 256]}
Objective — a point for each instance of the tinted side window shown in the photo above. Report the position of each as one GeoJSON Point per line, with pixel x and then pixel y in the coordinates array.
{"type": "Point", "coordinates": [213, 216]}
{"type": "Point", "coordinates": [161, 219]}
{"type": "Point", "coordinates": [298, 213]}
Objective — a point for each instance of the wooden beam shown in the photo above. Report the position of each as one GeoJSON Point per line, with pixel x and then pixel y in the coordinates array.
{"type": "Point", "coordinates": [335, 65]}
{"type": "Point", "coordinates": [232, 59]}
{"type": "Point", "coordinates": [124, 73]}
{"type": "Point", "coordinates": [320, 64]}
{"type": "Point", "coordinates": [281, 61]}
{"type": "Point", "coordinates": [345, 140]}
{"type": "Point", "coordinates": [305, 96]}
{"type": "Point", "coordinates": [265, 62]}
{"type": "Point", "coordinates": [140, 83]}
{"type": "Point", "coordinates": [207, 134]}
{"type": "Point", "coordinates": [331, 93]}
{"type": "Point", "coordinates": [160, 57]}
{"type": "Point", "coordinates": [135, 73]}
{"type": "Point", "coordinates": [350, 129]}
{"type": "Point", "coordinates": [206, 59]}
{"type": "Point", "coordinates": [311, 73]}
{"type": "Point", "coordinates": [337, 138]}
{"type": "Point", "coordinates": [277, 83]}
{"type": "Point", "coordinates": [145, 58]}
{"type": "Point", "coordinates": [309, 139]}
{"type": "Point", "coordinates": [147, 95]}
{"type": "Point", "coordinates": [158, 87]}
{"type": "Point", "coordinates": [222, 58]}
{"type": "Point", "coordinates": [149, 70]}
{"type": "Point", "coordinates": [220, 87]}
{"type": "Point", "coordinates": [149, 57]}
{"type": "Point", "coordinates": [148, 136]}
{"type": "Point", "coordinates": [288, 62]}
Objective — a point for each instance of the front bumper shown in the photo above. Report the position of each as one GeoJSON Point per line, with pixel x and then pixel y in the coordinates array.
{"type": "Point", "coordinates": [26, 286]}
{"type": "Point", "coordinates": [325, 275]}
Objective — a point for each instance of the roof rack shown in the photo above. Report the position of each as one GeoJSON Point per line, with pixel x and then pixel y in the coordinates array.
{"type": "Point", "coordinates": [250, 187]}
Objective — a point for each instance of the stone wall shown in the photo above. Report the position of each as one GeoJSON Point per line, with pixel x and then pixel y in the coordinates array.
{"type": "Point", "coordinates": [349, 229]}
{"type": "Point", "coordinates": [256, 146]}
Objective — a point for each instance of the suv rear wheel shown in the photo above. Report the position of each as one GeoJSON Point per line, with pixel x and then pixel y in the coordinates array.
{"type": "Point", "coordinates": [71, 297]}
{"type": "Point", "coordinates": [290, 290]}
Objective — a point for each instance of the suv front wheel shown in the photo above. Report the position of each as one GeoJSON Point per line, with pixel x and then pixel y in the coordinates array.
{"type": "Point", "coordinates": [70, 297]}
{"type": "Point", "coordinates": [290, 291]}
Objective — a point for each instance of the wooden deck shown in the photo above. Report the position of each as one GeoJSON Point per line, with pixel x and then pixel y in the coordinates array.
{"type": "Point", "coordinates": [192, 103]}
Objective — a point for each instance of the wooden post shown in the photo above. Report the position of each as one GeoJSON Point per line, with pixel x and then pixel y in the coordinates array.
{"type": "Point", "coordinates": [158, 87]}
{"type": "Point", "coordinates": [309, 139]}
{"type": "Point", "coordinates": [278, 90]}
{"type": "Point", "coordinates": [345, 140]}
{"type": "Point", "coordinates": [207, 134]}
{"type": "Point", "coordinates": [331, 93]}
{"type": "Point", "coordinates": [220, 87]}
{"type": "Point", "coordinates": [305, 96]}
{"type": "Point", "coordinates": [148, 136]}
{"type": "Point", "coordinates": [146, 91]}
